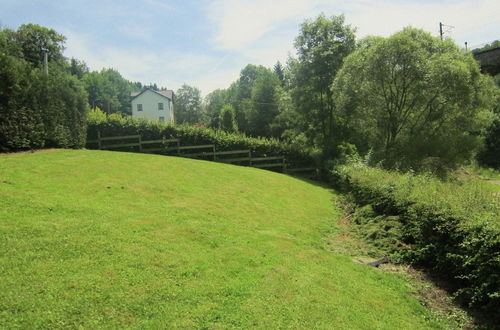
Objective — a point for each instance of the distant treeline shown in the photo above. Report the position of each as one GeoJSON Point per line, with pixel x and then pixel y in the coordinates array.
{"type": "Point", "coordinates": [494, 44]}
{"type": "Point", "coordinates": [39, 110]}
{"type": "Point", "coordinates": [411, 101]}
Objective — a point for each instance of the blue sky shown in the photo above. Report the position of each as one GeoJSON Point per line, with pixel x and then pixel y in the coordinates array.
{"type": "Point", "coordinates": [206, 43]}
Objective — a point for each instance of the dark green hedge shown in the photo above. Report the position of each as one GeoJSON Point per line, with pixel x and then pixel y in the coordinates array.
{"type": "Point", "coordinates": [38, 111]}
{"type": "Point", "coordinates": [116, 125]}
{"type": "Point", "coordinates": [453, 228]}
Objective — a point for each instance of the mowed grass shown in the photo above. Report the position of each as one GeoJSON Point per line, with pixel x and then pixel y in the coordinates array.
{"type": "Point", "coordinates": [96, 239]}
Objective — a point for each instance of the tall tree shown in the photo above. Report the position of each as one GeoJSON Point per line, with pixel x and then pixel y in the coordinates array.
{"type": "Point", "coordinates": [322, 45]}
{"type": "Point", "coordinates": [228, 119]}
{"type": "Point", "coordinates": [109, 91]}
{"type": "Point", "coordinates": [253, 99]}
{"type": "Point", "coordinates": [39, 110]}
{"type": "Point", "coordinates": [78, 68]}
{"type": "Point", "coordinates": [214, 102]}
{"type": "Point", "coordinates": [264, 107]}
{"type": "Point", "coordinates": [280, 72]}
{"type": "Point", "coordinates": [415, 100]}
{"type": "Point", "coordinates": [34, 39]}
{"type": "Point", "coordinates": [490, 155]}
{"type": "Point", "coordinates": [188, 107]}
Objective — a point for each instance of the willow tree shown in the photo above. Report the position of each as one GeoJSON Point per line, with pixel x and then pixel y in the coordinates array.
{"type": "Point", "coordinates": [414, 100]}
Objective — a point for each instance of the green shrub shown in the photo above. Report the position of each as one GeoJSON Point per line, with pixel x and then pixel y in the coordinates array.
{"type": "Point", "coordinates": [453, 228]}
{"type": "Point", "coordinates": [39, 111]}
{"type": "Point", "coordinates": [116, 125]}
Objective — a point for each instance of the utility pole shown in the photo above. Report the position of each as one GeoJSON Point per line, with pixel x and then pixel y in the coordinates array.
{"type": "Point", "coordinates": [441, 32]}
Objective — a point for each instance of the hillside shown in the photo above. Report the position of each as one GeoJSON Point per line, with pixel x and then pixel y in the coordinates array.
{"type": "Point", "coordinates": [106, 239]}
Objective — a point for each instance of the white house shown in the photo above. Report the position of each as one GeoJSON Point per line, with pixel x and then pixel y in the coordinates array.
{"type": "Point", "coordinates": [154, 105]}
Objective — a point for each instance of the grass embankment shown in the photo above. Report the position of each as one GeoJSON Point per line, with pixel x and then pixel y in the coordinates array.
{"type": "Point", "coordinates": [104, 239]}
{"type": "Point", "coordinates": [489, 175]}
{"type": "Point", "coordinates": [449, 228]}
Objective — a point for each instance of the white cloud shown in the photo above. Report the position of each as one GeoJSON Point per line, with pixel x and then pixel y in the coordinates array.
{"type": "Point", "coordinates": [219, 79]}
{"type": "Point", "coordinates": [468, 17]}
{"type": "Point", "coordinates": [263, 31]}
{"type": "Point", "coordinates": [165, 67]}
{"type": "Point", "coordinates": [242, 24]}
{"type": "Point", "coordinates": [239, 23]}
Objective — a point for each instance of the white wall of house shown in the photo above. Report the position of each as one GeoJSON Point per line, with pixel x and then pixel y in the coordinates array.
{"type": "Point", "coordinates": [149, 101]}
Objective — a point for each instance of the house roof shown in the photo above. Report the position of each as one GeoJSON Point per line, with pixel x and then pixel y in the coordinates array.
{"type": "Point", "coordinates": [169, 94]}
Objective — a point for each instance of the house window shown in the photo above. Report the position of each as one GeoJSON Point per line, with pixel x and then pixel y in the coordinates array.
{"type": "Point", "coordinates": [160, 106]}
{"type": "Point", "coordinates": [162, 118]}
{"type": "Point", "coordinates": [139, 107]}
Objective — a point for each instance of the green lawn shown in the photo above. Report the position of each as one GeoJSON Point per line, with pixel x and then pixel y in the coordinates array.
{"type": "Point", "coordinates": [97, 239]}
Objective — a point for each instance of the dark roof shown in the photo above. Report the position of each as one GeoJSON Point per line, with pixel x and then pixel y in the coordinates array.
{"type": "Point", "coordinates": [169, 94]}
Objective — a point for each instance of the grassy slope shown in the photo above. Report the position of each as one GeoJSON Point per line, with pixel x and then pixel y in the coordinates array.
{"type": "Point", "coordinates": [92, 238]}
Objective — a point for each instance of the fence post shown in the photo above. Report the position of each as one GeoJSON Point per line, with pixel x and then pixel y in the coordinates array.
{"type": "Point", "coordinates": [214, 151]}
{"type": "Point", "coordinates": [178, 147]}
{"type": "Point", "coordinates": [140, 143]}
{"type": "Point", "coordinates": [99, 139]}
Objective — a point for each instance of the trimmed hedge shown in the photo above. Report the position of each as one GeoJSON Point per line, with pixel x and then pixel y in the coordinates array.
{"type": "Point", "coordinates": [453, 228]}
{"type": "Point", "coordinates": [117, 125]}
{"type": "Point", "coordinates": [38, 111]}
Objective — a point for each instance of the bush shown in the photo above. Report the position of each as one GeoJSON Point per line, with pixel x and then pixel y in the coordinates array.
{"type": "Point", "coordinates": [452, 228]}
{"type": "Point", "coordinates": [116, 125]}
{"type": "Point", "coordinates": [490, 155]}
{"type": "Point", "coordinates": [37, 111]}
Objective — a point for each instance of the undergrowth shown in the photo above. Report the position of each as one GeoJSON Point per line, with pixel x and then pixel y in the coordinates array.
{"type": "Point", "coordinates": [450, 229]}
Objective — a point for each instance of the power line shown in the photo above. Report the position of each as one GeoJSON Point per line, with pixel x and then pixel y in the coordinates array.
{"type": "Point", "coordinates": [441, 32]}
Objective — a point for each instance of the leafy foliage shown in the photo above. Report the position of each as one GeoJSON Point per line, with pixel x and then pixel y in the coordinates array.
{"type": "Point", "coordinates": [416, 101]}
{"type": "Point", "coordinates": [264, 108]}
{"type": "Point", "coordinates": [117, 125]}
{"type": "Point", "coordinates": [451, 228]}
{"type": "Point", "coordinates": [322, 45]}
{"type": "Point", "coordinates": [494, 44]}
{"type": "Point", "coordinates": [228, 119]}
{"type": "Point", "coordinates": [188, 108]}
{"type": "Point", "coordinates": [109, 91]}
{"type": "Point", "coordinates": [490, 155]}
{"type": "Point", "coordinates": [30, 40]}
{"type": "Point", "coordinates": [37, 110]}
{"type": "Point", "coordinates": [253, 98]}
{"type": "Point", "coordinates": [214, 102]}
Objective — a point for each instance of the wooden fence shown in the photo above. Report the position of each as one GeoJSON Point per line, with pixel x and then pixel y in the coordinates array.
{"type": "Point", "coordinates": [206, 151]}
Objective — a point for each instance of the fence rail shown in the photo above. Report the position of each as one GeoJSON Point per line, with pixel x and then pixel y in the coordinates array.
{"type": "Point", "coordinates": [164, 146]}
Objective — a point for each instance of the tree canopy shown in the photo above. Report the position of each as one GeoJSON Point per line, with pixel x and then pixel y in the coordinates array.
{"type": "Point", "coordinates": [322, 45]}
{"type": "Point", "coordinates": [188, 105]}
{"type": "Point", "coordinates": [29, 42]}
{"type": "Point", "coordinates": [414, 100]}
{"type": "Point", "coordinates": [411, 100]}
{"type": "Point", "coordinates": [108, 90]}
